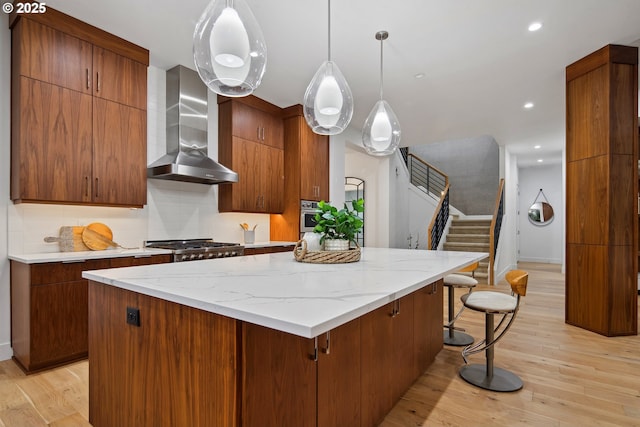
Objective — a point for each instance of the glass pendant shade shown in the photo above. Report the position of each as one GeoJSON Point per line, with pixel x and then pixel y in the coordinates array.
{"type": "Point", "coordinates": [229, 49]}
{"type": "Point", "coordinates": [381, 132]}
{"type": "Point", "coordinates": [328, 102]}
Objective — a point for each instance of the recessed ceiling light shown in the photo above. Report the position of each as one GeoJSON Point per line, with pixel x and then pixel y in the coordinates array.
{"type": "Point", "coordinates": [535, 26]}
{"type": "Point", "coordinates": [419, 76]}
{"type": "Point", "coordinates": [537, 147]}
{"type": "Point", "coordinates": [540, 160]}
{"type": "Point", "coordinates": [528, 105]}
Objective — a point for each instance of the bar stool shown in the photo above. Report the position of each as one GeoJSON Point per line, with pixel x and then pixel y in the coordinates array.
{"type": "Point", "coordinates": [453, 335]}
{"type": "Point", "coordinates": [491, 303]}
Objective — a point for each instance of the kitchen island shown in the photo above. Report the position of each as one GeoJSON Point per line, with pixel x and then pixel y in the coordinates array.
{"type": "Point", "coordinates": [263, 340]}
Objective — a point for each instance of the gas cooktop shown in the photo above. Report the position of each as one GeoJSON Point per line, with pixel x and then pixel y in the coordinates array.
{"type": "Point", "coordinates": [197, 249]}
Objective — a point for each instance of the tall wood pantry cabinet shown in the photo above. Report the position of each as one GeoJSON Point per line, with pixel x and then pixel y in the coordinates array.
{"type": "Point", "coordinates": [78, 113]}
{"type": "Point", "coordinates": [602, 187]}
{"type": "Point", "coordinates": [250, 143]}
{"type": "Point", "coordinates": [306, 165]}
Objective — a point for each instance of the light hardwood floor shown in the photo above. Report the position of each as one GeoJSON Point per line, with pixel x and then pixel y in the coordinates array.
{"type": "Point", "coordinates": [571, 377]}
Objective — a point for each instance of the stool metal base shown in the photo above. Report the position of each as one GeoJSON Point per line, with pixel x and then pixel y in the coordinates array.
{"type": "Point", "coordinates": [456, 338]}
{"type": "Point", "coordinates": [501, 380]}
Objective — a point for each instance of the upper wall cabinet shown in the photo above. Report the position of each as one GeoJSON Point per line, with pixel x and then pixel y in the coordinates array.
{"type": "Point", "coordinates": [79, 122]}
{"type": "Point", "coordinates": [250, 141]}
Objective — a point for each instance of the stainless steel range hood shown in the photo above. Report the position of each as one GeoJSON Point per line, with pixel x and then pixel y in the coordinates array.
{"type": "Point", "coordinates": [186, 158]}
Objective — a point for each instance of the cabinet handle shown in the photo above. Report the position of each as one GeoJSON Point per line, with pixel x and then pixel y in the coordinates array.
{"type": "Point", "coordinates": [327, 348]}
{"type": "Point", "coordinates": [263, 133]}
{"type": "Point", "coordinates": [314, 356]}
{"type": "Point", "coordinates": [86, 186]}
{"type": "Point", "coordinates": [434, 288]}
{"type": "Point", "coordinates": [88, 81]}
{"type": "Point", "coordinates": [98, 81]}
{"type": "Point", "coordinates": [258, 132]}
{"type": "Point", "coordinates": [97, 187]}
{"type": "Point", "coordinates": [395, 310]}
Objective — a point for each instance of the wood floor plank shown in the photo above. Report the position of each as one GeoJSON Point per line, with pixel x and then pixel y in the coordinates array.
{"type": "Point", "coordinates": [73, 420]}
{"type": "Point", "coordinates": [49, 403]}
{"type": "Point", "coordinates": [571, 376]}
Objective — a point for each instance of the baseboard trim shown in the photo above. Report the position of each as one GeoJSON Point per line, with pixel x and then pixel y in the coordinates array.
{"type": "Point", "coordinates": [540, 260]}
{"type": "Point", "coordinates": [6, 352]}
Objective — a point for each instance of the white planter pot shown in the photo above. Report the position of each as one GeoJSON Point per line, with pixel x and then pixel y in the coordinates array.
{"type": "Point", "coordinates": [313, 241]}
{"type": "Point", "coordinates": [336, 245]}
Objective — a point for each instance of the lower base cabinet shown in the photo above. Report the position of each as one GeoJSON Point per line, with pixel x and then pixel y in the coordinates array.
{"type": "Point", "coordinates": [184, 366]}
{"type": "Point", "coordinates": [49, 309]}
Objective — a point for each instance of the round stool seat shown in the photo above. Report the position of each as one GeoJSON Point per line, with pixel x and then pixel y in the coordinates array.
{"type": "Point", "coordinates": [460, 281]}
{"type": "Point", "coordinates": [489, 301]}
{"type": "Point", "coordinates": [451, 336]}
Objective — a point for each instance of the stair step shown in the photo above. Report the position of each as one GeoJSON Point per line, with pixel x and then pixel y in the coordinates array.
{"type": "Point", "coordinates": [474, 238]}
{"type": "Point", "coordinates": [468, 230]}
{"type": "Point", "coordinates": [466, 247]}
{"type": "Point", "coordinates": [471, 222]}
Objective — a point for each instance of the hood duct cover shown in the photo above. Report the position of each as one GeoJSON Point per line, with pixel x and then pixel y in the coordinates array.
{"type": "Point", "coordinates": [186, 158]}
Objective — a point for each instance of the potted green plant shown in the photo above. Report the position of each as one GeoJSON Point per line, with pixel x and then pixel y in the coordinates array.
{"type": "Point", "coordinates": [338, 227]}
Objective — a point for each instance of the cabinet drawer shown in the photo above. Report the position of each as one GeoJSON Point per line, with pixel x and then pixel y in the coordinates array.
{"type": "Point", "coordinates": [59, 272]}
{"type": "Point", "coordinates": [140, 260]}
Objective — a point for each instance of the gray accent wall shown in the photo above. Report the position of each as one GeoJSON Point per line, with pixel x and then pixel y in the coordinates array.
{"type": "Point", "coordinates": [473, 167]}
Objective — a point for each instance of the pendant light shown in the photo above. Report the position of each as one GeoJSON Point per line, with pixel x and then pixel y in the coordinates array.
{"type": "Point", "coordinates": [328, 103]}
{"type": "Point", "coordinates": [381, 132]}
{"type": "Point", "coordinates": [228, 48]}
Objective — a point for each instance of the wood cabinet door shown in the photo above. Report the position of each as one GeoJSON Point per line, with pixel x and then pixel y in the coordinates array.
{"type": "Point", "coordinates": [120, 154]}
{"type": "Point", "coordinates": [427, 328]}
{"type": "Point", "coordinates": [403, 360]}
{"type": "Point", "coordinates": [256, 125]}
{"type": "Point", "coordinates": [246, 122]}
{"type": "Point", "coordinates": [314, 164]}
{"type": "Point", "coordinates": [339, 376]}
{"type": "Point", "coordinates": [376, 371]}
{"type": "Point", "coordinates": [119, 79]}
{"type": "Point", "coordinates": [45, 54]}
{"type": "Point", "coordinates": [51, 154]}
{"type": "Point", "coordinates": [58, 322]}
{"type": "Point", "coordinates": [273, 130]}
{"type": "Point", "coordinates": [273, 179]}
{"type": "Point", "coordinates": [246, 162]}
{"type": "Point", "coordinates": [278, 378]}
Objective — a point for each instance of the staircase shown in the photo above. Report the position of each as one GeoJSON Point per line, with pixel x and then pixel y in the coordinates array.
{"type": "Point", "coordinates": [470, 235]}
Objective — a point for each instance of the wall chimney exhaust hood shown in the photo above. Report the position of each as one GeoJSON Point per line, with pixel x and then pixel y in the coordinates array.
{"type": "Point", "coordinates": [186, 158]}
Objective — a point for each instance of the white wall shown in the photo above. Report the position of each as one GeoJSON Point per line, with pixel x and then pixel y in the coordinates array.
{"type": "Point", "coordinates": [400, 203]}
{"type": "Point", "coordinates": [375, 171]}
{"type": "Point", "coordinates": [541, 243]}
{"type": "Point", "coordinates": [5, 139]}
{"type": "Point", "coordinates": [506, 258]}
{"type": "Point", "coordinates": [421, 210]}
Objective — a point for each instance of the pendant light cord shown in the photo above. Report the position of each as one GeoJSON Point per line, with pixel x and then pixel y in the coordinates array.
{"type": "Point", "coordinates": [329, 30]}
{"type": "Point", "coordinates": [381, 73]}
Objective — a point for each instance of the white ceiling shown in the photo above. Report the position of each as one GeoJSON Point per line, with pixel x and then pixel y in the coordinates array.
{"type": "Point", "coordinates": [481, 64]}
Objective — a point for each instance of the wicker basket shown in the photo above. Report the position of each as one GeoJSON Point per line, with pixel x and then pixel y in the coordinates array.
{"type": "Point", "coordinates": [301, 254]}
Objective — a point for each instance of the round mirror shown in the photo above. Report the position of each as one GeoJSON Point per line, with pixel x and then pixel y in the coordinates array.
{"type": "Point", "coordinates": [540, 213]}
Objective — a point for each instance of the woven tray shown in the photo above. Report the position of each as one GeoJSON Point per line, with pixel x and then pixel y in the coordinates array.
{"type": "Point", "coordinates": [301, 254]}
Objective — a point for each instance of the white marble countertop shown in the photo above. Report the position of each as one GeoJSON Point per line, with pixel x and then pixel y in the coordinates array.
{"type": "Point", "coordinates": [84, 255]}
{"type": "Point", "coordinates": [278, 292]}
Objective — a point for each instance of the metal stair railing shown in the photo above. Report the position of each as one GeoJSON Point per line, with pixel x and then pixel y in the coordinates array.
{"type": "Point", "coordinates": [426, 177]}
{"type": "Point", "coordinates": [439, 221]}
{"type": "Point", "coordinates": [494, 231]}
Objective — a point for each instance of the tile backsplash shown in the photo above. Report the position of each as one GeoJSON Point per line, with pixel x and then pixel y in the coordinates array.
{"type": "Point", "coordinates": [174, 210]}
